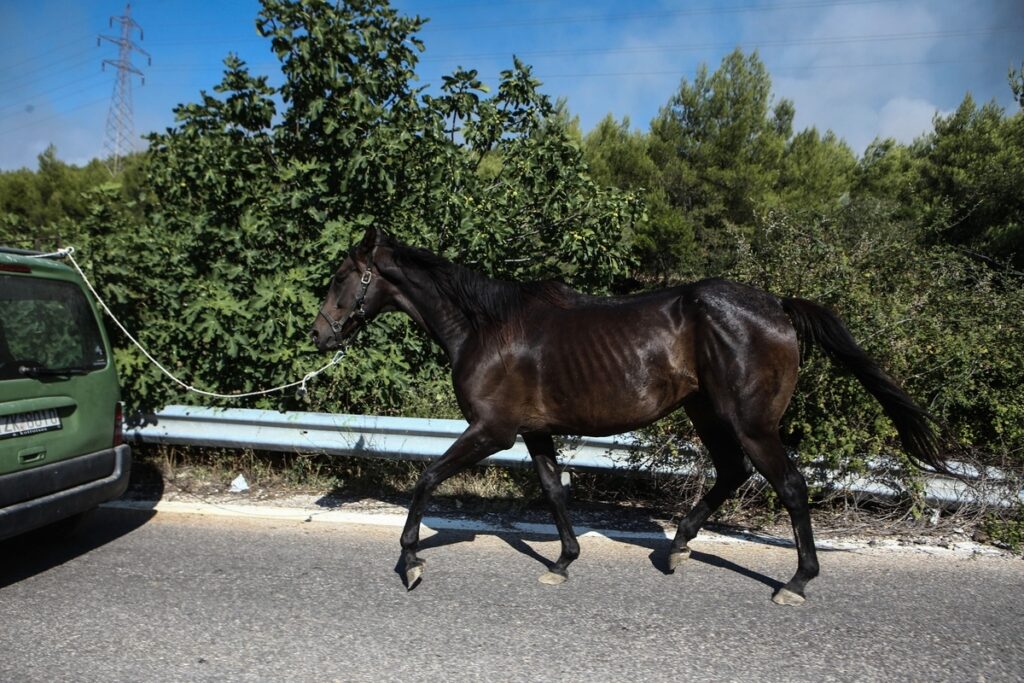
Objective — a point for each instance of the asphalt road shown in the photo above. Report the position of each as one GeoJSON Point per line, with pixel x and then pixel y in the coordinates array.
{"type": "Point", "coordinates": [140, 596]}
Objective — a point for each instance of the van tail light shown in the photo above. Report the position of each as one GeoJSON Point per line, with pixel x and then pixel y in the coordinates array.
{"type": "Point", "coordinates": [118, 424]}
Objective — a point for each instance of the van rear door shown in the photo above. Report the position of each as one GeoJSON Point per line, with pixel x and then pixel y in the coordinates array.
{"type": "Point", "coordinates": [56, 374]}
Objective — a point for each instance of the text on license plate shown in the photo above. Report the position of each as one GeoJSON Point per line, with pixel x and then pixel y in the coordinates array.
{"type": "Point", "coordinates": [29, 423]}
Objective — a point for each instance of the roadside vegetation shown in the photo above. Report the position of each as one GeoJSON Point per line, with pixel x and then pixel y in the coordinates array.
{"type": "Point", "coordinates": [217, 243]}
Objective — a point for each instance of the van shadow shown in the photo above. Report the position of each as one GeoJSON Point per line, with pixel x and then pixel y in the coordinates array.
{"type": "Point", "coordinates": [39, 551]}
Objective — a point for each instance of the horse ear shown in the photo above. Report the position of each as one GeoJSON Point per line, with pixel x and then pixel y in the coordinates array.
{"type": "Point", "coordinates": [369, 239]}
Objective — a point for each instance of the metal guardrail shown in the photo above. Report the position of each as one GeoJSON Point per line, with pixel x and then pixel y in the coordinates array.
{"type": "Point", "coordinates": [402, 438]}
{"type": "Point", "coordinates": [411, 438]}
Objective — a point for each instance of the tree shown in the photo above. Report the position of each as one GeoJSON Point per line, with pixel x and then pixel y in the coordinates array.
{"type": "Point", "coordinates": [40, 206]}
{"type": "Point", "coordinates": [620, 157]}
{"type": "Point", "coordinates": [887, 173]}
{"type": "Point", "coordinates": [1016, 77]}
{"type": "Point", "coordinates": [970, 178]}
{"type": "Point", "coordinates": [257, 192]}
{"type": "Point", "coordinates": [815, 172]}
{"type": "Point", "coordinates": [720, 142]}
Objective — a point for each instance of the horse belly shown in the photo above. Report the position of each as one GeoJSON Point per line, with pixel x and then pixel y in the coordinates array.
{"type": "Point", "coordinates": [601, 382]}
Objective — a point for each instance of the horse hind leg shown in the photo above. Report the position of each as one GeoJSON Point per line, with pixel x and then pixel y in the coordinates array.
{"type": "Point", "coordinates": [766, 452]}
{"type": "Point", "coordinates": [731, 471]}
{"type": "Point", "coordinates": [729, 438]}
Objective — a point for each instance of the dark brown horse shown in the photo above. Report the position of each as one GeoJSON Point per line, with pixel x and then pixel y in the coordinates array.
{"type": "Point", "coordinates": [537, 359]}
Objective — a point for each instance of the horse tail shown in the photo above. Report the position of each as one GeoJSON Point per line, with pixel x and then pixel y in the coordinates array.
{"type": "Point", "coordinates": [815, 323]}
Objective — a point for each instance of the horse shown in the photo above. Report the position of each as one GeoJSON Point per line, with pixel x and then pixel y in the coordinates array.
{"type": "Point", "coordinates": [539, 359]}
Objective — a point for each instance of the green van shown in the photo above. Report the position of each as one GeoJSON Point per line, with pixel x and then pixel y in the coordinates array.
{"type": "Point", "coordinates": [61, 446]}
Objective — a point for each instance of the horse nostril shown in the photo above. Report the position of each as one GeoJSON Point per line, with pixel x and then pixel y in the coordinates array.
{"type": "Point", "coordinates": [315, 336]}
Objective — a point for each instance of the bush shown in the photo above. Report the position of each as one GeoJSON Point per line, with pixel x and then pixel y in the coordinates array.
{"type": "Point", "coordinates": [947, 327]}
{"type": "Point", "coordinates": [249, 210]}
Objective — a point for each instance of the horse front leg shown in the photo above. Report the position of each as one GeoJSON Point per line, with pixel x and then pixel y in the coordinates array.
{"type": "Point", "coordinates": [472, 446]}
{"type": "Point", "coordinates": [542, 450]}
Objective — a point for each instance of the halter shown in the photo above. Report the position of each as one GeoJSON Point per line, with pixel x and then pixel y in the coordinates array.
{"type": "Point", "coordinates": [358, 308]}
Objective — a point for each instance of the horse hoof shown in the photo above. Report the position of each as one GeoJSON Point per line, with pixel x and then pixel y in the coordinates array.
{"type": "Point", "coordinates": [675, 559]}
{"type": "Point", "coordinates": [552, 578]}
{"type": "Point", "coordinates": [784, 596]}
{"type": "Point", "coordinates": [413, 575]}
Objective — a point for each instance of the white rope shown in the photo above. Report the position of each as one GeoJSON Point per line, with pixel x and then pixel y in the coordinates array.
{"type": "Point", "coordinates": [62, 253]}
{"type": "Point", "coordinates": [67, 253]}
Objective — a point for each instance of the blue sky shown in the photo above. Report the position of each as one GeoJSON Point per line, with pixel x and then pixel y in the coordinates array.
{"type": "Point", "coordinates": [862, 68]}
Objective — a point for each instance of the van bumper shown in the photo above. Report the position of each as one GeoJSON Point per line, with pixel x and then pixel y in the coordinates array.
{"type": "Point", "coordinates": [50, 493]}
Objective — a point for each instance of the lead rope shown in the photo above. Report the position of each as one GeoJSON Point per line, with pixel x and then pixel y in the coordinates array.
{"type": "Point", "coordinates": [301, 393]}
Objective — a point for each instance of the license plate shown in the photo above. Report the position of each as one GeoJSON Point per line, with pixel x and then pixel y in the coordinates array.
{"type": "Point", "coordinates": [29, 423]}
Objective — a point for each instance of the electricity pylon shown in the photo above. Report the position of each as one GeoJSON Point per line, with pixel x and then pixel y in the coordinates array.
{"type": "Point", "coordinates": [120, 138]}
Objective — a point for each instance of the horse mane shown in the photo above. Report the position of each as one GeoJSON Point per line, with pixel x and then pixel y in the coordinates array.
{"type": "Point", "coordinates": [484, 300]}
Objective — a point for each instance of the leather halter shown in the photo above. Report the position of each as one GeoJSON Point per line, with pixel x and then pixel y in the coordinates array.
{"type": "Point", "coordinates": [358, 308]}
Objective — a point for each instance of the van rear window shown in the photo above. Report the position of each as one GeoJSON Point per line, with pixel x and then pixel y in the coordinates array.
{"type": "Point", "coordinates": [46, 326]}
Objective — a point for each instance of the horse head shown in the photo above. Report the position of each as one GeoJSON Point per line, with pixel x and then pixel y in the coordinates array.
{"type": "Point", "coordinates": [357, 293]}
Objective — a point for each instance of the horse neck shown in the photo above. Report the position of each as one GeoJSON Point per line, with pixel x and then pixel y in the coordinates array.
{"type": "Point", "coordinates": [431, 308]}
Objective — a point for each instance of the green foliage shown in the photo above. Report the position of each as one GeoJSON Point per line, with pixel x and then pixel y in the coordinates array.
{"type": "Point", "coordinates": [216, 245]}
{"type": "Point", "coordinates": [887, 175]}
{"type": "Point", "coordinates": [815, 172]}
{"type": "Point", "coordinates": [252, 205]}
{"type": "Point", "coordinates": [946, 326]}
{"type": "Point", "coordinates": [971, 174]}
{"type": "Point", "coordinates": [720, 151]}
{"type": "Point", "coordinates": [36, 206]}
{"type": "Point", "coordinates": [664, 243]}
{"type": "Point", "coordinates": [905, 243]}
{"type": "Point", "coordinates": [1016, 78]}
{"type": "Point", "coordinates": [1006, 528]}
{"type": "Point", "coordinates": [720, 143]}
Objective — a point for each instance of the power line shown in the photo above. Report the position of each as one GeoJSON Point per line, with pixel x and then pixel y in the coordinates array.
{"type": "Point", "coordinates": [704, 10]}
{"type": "Point", "coordinates": [34, 74]}
{"type": "Point", "coordinates": [52, 117]}
{"type": "Point", "coordinates": [831, 40]}
{"type": "Point", "coordinates": [49, 37]}
{"type": "Point", "coordinates": [682, 47]}
{"type": "Point", "coordinates": [676, 72]}
{"type": "Point", "coordinates": [42, 95]}
{"type": "Point", "coordinates": [178, 67]}
{"type": "Point", "coordinates": [679, 47]}
{"type": "Point", "coordinates": [583, 18]}
{"type": "Point", "coordinates": [665, 14]}
{"type": "Point", "coordinates": [618, 74]}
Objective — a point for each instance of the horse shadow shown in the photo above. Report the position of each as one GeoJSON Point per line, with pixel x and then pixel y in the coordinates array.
{"type": "Point", "coordinates": [644, 533]}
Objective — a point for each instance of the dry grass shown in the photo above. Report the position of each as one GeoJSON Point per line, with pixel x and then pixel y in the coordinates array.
{"type": "Point", "coordinates": [210, 471]}
{"type": "Point", "coordinates": [202, 470]}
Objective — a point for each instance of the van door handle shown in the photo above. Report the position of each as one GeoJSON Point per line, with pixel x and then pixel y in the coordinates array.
{"type": "Point", "coordinates": [30, 455]}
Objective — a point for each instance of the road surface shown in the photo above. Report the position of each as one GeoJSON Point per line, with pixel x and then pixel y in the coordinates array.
{"type": "Point", "coordinates": [139, 596]}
